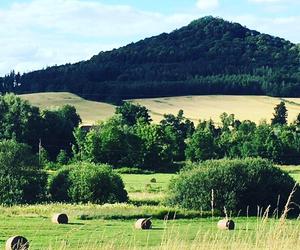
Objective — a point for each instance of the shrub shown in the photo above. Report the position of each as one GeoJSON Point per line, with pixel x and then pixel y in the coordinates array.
{"type": "Point", "coordinates": [60, 184]}
{"type": "Point", "coordinates": [21, 178]}
{"type": "Point", "coordinates": [237, 185]}
{"type": "Point", "coordinates": [87, 182]}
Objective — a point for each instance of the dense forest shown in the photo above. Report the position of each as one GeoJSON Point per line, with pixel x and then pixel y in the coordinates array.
{"type": "Point", "coordinates": [208, 56]}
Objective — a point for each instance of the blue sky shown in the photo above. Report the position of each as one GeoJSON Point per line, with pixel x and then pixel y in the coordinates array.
{"type": "Point", "coordinates": [41, 33]}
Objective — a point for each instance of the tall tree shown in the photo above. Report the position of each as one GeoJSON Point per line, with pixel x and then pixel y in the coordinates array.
{"type": "Point", "coordinates": [280, 115]}
{"type": "Point", "coordinates": [58, 128]}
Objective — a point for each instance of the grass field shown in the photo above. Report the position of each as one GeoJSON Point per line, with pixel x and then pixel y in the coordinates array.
{"type": "Point", "coordinates": [89, 111]}
{"type": "Point", "coordinates": [253, 108]}
{"type": "Point", "coordinates": [200, 233]}
{"type": "Point", "coordinates": [141, 189]}
{"type": "Point", "coordinates": [94, 227]}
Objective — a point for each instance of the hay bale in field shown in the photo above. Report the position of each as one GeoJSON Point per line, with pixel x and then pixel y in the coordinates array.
{"type": "Point", "coordinates": [153, 180]}
{"type": "Point", "coordinates": [226, 224]}
{"type": "Point", "coordinates": [17, 243]}
{"type": "Point", "coordinates": [60, 219]}
{"type": "Point", "coordinates": [143, 224]}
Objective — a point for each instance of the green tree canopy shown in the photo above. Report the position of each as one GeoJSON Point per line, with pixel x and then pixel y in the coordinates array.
{"type": "Point", "coordinates": [19, 120]}
{"type": "Point", "coordinates": [280, 115]}
{"type": "Point", "coordinates": [132, 113]}
{"type": "Point", "coordinates": [21, 177]}
{"type": "Point", "coordinates": [58, 128]}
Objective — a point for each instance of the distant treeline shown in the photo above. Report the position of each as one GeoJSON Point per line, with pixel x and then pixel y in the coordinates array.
{"type": "Point", "coordinates": [129, 139]}
{"type": "Point", "coordinates": [209, 56]}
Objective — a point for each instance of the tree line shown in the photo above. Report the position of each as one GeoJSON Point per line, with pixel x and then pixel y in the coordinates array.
{"type": "Point", "coordinates": [49, 130]}
{"type": "Point", "coordinates": [130, 139]}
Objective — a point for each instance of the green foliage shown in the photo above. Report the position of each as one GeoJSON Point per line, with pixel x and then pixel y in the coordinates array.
{"type": "Point", "coordinates": [62, 158]}
{"type": "Point", "coordinates": [24, 123]}
{"type": "Point", "coordinates": [19, 120]}
{"type": "Point", "coordinates": [236, 139]}
{"type": "Point", "coordinates": [60, 184]}
{"type": "Point", "coordinates": [87, 182]}
{"type": "Point", "coordinates": [157, 146]}
{"type": "Point", "coordinates": [181, 129]}
{"type": "Point", "coordinates": [132, 113]}
{"type": "Point", "coordinates": [280, 115]}
{"type": "Point", "coordinates": [112, 142]}
{"type": "Point", "coordinates": [201, 146]}
{"type": "Point", "coordinates": [58, 127]}
{"type": "Point", "coordinates": [21, 179]}
{"type": "Point", "coordinates": [237, 185]}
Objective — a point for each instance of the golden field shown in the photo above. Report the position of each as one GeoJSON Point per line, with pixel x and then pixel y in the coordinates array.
{"type": "Point", "coordinates": [255, 108]}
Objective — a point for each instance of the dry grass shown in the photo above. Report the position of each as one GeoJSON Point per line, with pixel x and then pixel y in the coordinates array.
{"type": "Point", "coordinates": [254, 108]}
{"type": "Point", "coordinates": [89, 111]}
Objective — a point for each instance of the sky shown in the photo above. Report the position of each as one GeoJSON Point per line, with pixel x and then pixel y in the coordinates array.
{"type": "Point", "coordinates": [35, 34]}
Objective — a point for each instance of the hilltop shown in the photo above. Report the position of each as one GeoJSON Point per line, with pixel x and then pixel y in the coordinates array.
{"type": "Point", "coordinates": [208, 56]}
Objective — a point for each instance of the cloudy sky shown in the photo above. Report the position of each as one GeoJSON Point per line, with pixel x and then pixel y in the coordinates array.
{"type": "Point", "coordinates": [41, 33]}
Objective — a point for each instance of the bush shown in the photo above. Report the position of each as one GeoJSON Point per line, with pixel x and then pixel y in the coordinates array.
{"type": "Point", "coordinates": [21, 178]}
{"type": "Point", "coordinates": [237, 185]}
{"type": "Point", "coordinates": [87, 182]}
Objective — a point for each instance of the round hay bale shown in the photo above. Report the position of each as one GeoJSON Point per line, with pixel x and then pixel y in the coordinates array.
{"type": "Point", "coordinates": [60, 219]}
{"type": "Point", "coordinates": [153, 180]}
{"type": "Point", "coordinates": [226, 224]}
{"type": "Point", "coordinates": [17, 243]}
{"type": "Point", "coordinates": [143, 224]}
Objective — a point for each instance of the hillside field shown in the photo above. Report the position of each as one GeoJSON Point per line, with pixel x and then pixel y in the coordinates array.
{"type": "Point", "coordinates": [89, 111]}
{"type": "Point", "coordinates": [255, 108]}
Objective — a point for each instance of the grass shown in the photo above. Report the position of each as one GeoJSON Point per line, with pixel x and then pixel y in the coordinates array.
{"type": "Point", "coordinates": [142, 191]}
{"type": "Point", "coordinates": [194, 107]}
{"type": "Point", "coordinates": [111, 227]}
{"type": "Point", "coordinates": [89, 111]}
{"type": "Point", "coordinates": [108, 226]}
{"type": "Point", "coordinates": [254, 108]}
{"type": "Point", "coordinates": [293, 170]}
{"type": "Point", "coordinates": [34, 223]}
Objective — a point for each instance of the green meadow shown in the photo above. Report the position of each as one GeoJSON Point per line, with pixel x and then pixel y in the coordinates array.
{"type": "Point", "coordinates": [112, 226]}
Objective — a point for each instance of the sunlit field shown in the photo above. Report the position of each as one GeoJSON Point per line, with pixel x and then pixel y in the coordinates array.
{"type": "Point", "coordinates": [89, 111]}
{"type": "Point", "coordinates": [198, 233]}
{"type": "Point", "coordinates": [255, 108]}
{"type": "Point", "coordinates": [112, 226]}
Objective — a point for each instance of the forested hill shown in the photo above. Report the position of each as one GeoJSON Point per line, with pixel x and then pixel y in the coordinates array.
{"type": "Point", "coordinates": [209, 56]}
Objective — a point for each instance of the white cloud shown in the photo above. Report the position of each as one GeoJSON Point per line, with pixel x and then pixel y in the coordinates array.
{"type": "Point", "coordinates": [48, 32]}
{"type": "Point", "coordinates": [207, 4]}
